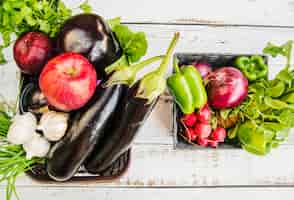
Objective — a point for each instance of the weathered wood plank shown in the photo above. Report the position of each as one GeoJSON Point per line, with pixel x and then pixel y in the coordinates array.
{"type": "Point", "coordinates": [162, 166]}
{"type": "Point", "coordinates": [45, 193]}
{"type": "Point", "coordinates": [241, 12]}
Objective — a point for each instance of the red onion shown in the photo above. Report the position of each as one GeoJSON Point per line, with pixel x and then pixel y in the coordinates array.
{"type": "Point", "coordinates": [204, 68]}
{"type": "Point", "coordinates": [227, 87]}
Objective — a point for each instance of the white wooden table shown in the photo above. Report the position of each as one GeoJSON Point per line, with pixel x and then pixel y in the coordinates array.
{"type": "Point", "coordinates": [157, 170]}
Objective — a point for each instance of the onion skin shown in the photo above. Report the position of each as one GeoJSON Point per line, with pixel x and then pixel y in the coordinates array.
{"type": "Point", "coordinates": [227, 87]}
{"type": "Point", "coordinates": [204, 68]}
{"type": "Point", "coordinates": [32, 51]}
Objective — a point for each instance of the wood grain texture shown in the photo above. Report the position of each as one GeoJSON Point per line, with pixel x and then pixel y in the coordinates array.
{"type": "Point", "coordinates": [230, 12]}
{"type": "Point", "coordinates": [66, 193]}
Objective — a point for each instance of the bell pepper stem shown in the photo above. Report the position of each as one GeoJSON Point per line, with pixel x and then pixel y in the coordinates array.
{"type": "Point", "coordinates": [164, 63]}
{"type": "Point", "coordinates": [176, 66]}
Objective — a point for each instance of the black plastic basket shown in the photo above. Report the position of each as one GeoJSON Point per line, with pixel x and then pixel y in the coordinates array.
{"type": "Point", "coordinates": [216, 60]}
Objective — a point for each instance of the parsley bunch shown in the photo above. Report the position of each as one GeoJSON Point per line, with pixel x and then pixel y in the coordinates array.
{"type": "Point", "coordinates": [18, 17]}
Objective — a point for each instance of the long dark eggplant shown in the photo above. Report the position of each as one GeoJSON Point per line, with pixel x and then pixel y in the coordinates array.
{"type": "Point", "coordinates": [127, 121]}
{"type": "Point", "coordinates": [133, 112]}
{"type": "Point", "coordinates": [86, 129]}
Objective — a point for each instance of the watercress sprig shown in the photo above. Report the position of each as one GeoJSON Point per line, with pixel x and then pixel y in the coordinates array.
{"type": "Point", "coordinates": [267, 113]}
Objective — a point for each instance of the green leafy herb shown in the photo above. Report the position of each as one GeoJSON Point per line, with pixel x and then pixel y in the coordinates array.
{"type": "Point", "coordinates": [85, 7]}
{"type": "Point", "coordinates": [267, 113]}
{"type": "Point", "coordinates": [13, 160]}
{"type": "Point", "coordinates": [18, 17]}
{"type": "Point", "coordinates": [13, 163]}
{"type": "Point", "coordinates": [134, 44]}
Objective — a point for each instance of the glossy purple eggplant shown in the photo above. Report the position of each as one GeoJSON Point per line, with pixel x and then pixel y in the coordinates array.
{"type": "Point", "coordinates": [132, 114]}
{"type": "Point", "coordinates": [86, 128]}
{"type": "Point", "coordinates": [91, 36]}
{"type": "Point", "coordinates": [123, 128]}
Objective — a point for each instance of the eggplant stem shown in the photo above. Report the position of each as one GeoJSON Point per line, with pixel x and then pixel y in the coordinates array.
{"type": "Point", "coordinates": [146, 62]}
{"type": "Point", "coordinates": [163, 66]}
{"type": "Point", "coordinates": [121, 61]}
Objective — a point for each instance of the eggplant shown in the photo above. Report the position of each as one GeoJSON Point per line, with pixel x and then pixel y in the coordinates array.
{"type": "Point", "coordinates": [131, 115]}
{"type": "Point", "coordinates": [32, 100]}
{"type": "Point", "coordinates": [125, 125]}
{"type": "Point", "coordinates": [91, 36]}
{"type": "Point", "coordinates": [85, 130]}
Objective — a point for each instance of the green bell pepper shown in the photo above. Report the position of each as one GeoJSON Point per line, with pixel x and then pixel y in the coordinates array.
{"type": "Point", "coordinates": [252, 67]}
{"type": "Point", "coordinates": [186, 85]}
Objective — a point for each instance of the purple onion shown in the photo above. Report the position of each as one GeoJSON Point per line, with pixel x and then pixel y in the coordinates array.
{"type": "Point", "coordinates": [204, 68]}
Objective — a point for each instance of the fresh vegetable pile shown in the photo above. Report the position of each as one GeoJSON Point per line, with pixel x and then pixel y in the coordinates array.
{"type": "Point", "coordinates": [81, 103]}
{"type": "Point", "coordinates": [243, 107]}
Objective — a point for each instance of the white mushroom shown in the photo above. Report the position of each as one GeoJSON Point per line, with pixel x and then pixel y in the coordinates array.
{"type": "Point", "coordinates": [22, 128]}
{"type": "Point", "coordinates": [38, 146]}
{"type": "Point", "coordinates": [53, 125]}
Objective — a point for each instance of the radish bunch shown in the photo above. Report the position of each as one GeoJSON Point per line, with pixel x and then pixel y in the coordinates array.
{"type": "Point", "coordinates": [198, 128]}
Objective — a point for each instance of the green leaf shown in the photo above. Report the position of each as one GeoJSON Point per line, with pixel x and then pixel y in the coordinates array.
{"type": "Point", "coordinates": [282, 135]}
{"type": "Point", "coordinates": [44, 26]}
{"type": "Point", "coordinates": [285, 76]}
{"type": "Point", "coordinates": [137, 48]}
{"type": "Point", "coordinates": [86, 7]}
{"type": "Point", "coordinates": [244, 132]}
{"type": "Point", "coordinates": [283, 50]}
{"type": "Point", "coordinates": [113, 22]}
{"type": "Point", "coordinates": [255, 139]}
{"type": "Point", "coordinates": [2, 58]}
{"type": "Point", "coordinates": [6, 38]}
{"type": "Point", "coordinates": [275, 103]}
{"type": "Point", "coordinates": [277, 90]}
{"type": "Point", "coordinates": [134, 45]}
{"type": "Point", "coordinates": [287, 117]}
{"type": "Point", "coordinates": [232, 132]}
{"type": "Point", "coordinates": [275, 50]}
{"type": "Point", "coordinates": [289, 98]}
{"type": "Point", "coordinates": [256, 151]}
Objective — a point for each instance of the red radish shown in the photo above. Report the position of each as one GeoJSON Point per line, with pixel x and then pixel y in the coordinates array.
{"type": "Point", "coordinates": [190, 134]}
{"type": "Point", "coordinates": [31, 52]}
{"type": "Point", "coordinates": [227, 87]}
{"type": "Point", "coordinates": [189, 120]}
{"type": "Point", "coordinates": [202, 142]}
{"type": "Point", "coordinates": [202, 130]}
{"type": "Point", "coordinates": [219, 134]}
{"type": "Point", "coordinates": [213, 143]}
{"type": "Point", "coordinates": [204, 114]}
{"type": "Point", "coordinates": [68, 81]}
{"type": "Point", "coordinates": [204, 68]}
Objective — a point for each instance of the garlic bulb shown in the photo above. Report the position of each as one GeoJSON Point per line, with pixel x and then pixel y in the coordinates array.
{"type": "Point", "coordinates": [38, 146]}
{"type": "Point", "coordinates": [22, 128]}
{"type": "Point", "coordinates": [53, 125]}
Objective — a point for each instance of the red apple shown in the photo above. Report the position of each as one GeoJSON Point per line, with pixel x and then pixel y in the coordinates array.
{"type": "Point", "coordinates": [31, 52]}
{"type": "Point", "coordinates": [68, 81]}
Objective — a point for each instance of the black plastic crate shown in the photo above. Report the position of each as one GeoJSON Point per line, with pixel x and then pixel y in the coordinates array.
{"type": "Point", "coordinates": [216, 60]}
